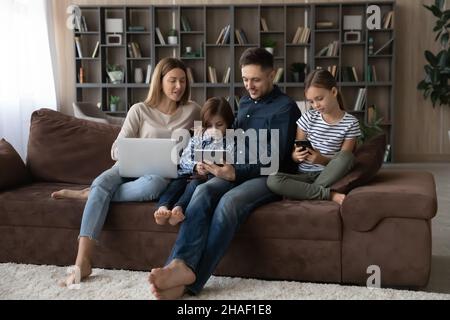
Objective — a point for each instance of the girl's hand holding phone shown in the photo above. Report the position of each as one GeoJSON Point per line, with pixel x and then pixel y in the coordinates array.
{"type": "Point", "coordinates": [299, 154]}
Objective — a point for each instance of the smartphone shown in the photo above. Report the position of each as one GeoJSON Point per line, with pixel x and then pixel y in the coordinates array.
{"type": "Point", "coordinates": [303, 144]}
{"type": "Point", "coordinates": [212, 156]}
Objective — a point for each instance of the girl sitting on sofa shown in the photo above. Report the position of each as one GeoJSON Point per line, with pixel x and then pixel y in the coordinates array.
{"type": "Point", "coordinates": [332, 134]}
{"type": "Point", "coordinates": [217, 116]}
{"type": "Point", "coordinates": [166, 109]}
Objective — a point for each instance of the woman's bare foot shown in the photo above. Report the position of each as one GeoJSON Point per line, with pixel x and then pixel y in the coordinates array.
{"type": "Point", "coordinates": [162, 215]}
{"type": "Point", "coordinates": [71, 194]}
{"type": "Point", "coordinates": [169, 294]}
{"type": "Point", "coordinates": [85, 270]}
{"type": "Point", "coordinates": [177, 216]}
{"type": "Point", "coordinates": [337, 197]}
{"type": "Point", "coordinates": [175, 274]}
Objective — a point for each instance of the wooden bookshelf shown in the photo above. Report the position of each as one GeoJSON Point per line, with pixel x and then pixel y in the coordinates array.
{"type": "Point", "coordinates": [199, 27]}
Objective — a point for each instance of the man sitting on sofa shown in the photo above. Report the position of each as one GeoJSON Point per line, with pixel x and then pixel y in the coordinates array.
{"type": "Point", "coordinates": [219, 206]}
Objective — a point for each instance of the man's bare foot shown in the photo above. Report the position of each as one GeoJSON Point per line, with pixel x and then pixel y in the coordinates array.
{"type": "Point", "coordinates": [162, 215]}
{"type": "Point", "coordinates": [177, 216]}
{"type": "Point", "coordinates": [169, 294]}
{"type": "Point", "coordinates": [85, 271]}
{"type": "Point", "coordinates": [175, 274]}
{"type": "Point", "coordinates": [71, 194]}
{"type": "Point", "coordinates": [337, 197]}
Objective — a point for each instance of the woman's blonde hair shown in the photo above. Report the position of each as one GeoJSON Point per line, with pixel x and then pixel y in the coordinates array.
{"type": "Point", "coordinates": [322, 78]}
{"type": "Point", "coordinates": [155, 93]}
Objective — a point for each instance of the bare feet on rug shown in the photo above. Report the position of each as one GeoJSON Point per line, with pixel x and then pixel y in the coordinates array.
{"type": "Point", "coordinates": [71, 194]}
{"type": "Point", "coordinates": [169, 294]}
{"type": "Point", "coordinates": [84, 270]}
{"type": "Point", "coordinates": [177, 216]}
{"type": "Point", "coordinates": [337, 197]}
{"type": "Point", "coordinates": [175, 276]}
{"type": "Point", "coordinates": [162, 215]}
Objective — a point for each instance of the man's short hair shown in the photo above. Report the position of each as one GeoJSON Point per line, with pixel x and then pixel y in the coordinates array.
{"type": "Point", "coordinates": [257, 56]}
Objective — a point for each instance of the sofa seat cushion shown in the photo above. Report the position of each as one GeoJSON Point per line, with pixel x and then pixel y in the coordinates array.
{"type": "Point", "coordinates": [291, 219]}
{"type": "Point", "coordinates": [32, 206]}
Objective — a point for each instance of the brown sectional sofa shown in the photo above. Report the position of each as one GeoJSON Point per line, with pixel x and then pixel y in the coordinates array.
{"type": "Point", "coordinates": [386, 222]}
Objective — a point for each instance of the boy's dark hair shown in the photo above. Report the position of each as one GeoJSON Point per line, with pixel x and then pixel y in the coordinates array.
{"type": "Point", "coordinates": [257, 56]}
{"type": "Point", "coordinates": [217, 106]}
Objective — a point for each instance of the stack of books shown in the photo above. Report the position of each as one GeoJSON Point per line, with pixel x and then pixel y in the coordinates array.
{"type": "Point", "coordinates": [301, 35]}
{"type": "Point", "coordinates": [134, 50]}
{"type": "Point", "coordinates": [224, 35]}
{"type": "Point", "coordinates": [330, 50]}
{"type": "Point", "coordinates": [241, 37]}
{"type": "Point", "coordinates": [278, 75]}
{"type": "Point", "coordinates": [360, 100]}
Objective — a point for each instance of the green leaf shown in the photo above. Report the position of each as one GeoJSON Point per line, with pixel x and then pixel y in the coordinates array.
{"type": "Point", "coordinates": [431, 58]}
{"type": "Point", "coordinates": [442, 58]}
{"type": "Point", "coordinates": [438, 35]}
{"type": "Point", "coordinates": [444, 39]}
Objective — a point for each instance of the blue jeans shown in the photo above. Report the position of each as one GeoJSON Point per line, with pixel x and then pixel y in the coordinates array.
{"type": "Point", "coordinates": [213, 216]}
{"type": "Point", "coordinates": [110, 186]}
{"type": "Point", "coordinates": [179, 192]}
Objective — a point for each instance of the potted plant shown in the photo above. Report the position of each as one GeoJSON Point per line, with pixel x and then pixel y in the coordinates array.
{"type": "Point", "coordinates": [114, 103]}
{"type": "Point", "coordinates": [437, 71]}
{"type": "Point", "coordinates": [115, 73]}
{"type": "Point", "coordinates": [173, 36]}
{"type": "Point", "coordinates": [269, 44]}
{"type": "Point", "coordinates": [298, 71]}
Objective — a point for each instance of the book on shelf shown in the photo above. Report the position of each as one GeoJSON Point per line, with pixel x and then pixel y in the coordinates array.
{"type": "Point", "coordinates": [330, 50]}
{"type": "Point", "coordinates": [226, 76]}
{"type": "Point", "coordinates": [371, 114]}
{"type": "Point", "coordinates": [371, 74]}
{"type": "Point", "coordinates": [185, 24]}
{"type": "Point", "coordinates": [240, 36]}
{"type": "Point", "coordinates": [212, 74]}
{"type": "Point", "coordinates": [136, 28]}
{"type": "Point", "coordinates": [190, 75]}
{"type": "Point", "coordinates": [135, 50]}
{"type": "Point", "coordinates": [388, 20]}
{"type": "Point", "coordinates": [84, 24]}
{"type": "Point", "coordinates": [264, 25]}
{"type": "Point", "coordinates": [387, 153]}
{"type": "Point", "coordinates": [78, 46]}
{"type": "Point", "coordinates": [94, 53]}
{"type": "Point", "coordinates": [160, 36]}
{"type": "Point", "coordinates": [349, 74]}
{"type": "Point", "coordinates": [384, 46]}
{"type": "Point", "coordinates": [81, 75]}
{"type": "Point", "coordinates": [148, 75]}
{"type": "Point", "coordinates": [360, 100]}
{"type": "Point", "coordinates": [236, 100]}
{"type": "Point", "coordinates": [278, 75]}
{"type": "Point", "coordinates": [301, 35]}
{"type": "Point", "coordinates": [224, 35]}
{"type": "Point", "coordinates": [333, 70]}
{"type": "Point", "coordinates": [324, 25]}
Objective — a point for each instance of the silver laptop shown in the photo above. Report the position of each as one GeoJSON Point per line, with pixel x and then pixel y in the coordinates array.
{"type": "Point", "coordinates": [139, 156]}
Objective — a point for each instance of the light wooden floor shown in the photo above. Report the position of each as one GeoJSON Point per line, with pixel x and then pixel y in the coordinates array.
{"type": "Point", "coordinates": [440, 266]}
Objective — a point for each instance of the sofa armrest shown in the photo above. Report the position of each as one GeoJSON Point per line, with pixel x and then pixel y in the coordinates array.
{"type": "Point", "coordinates": [392, 194]}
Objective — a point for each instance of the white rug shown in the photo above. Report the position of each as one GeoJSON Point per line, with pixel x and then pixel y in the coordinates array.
{"type": "Point", "coordinates": [20, 281]}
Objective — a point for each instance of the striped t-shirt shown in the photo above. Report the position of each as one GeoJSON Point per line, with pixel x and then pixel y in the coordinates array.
{"type": "Point", "coordinates": [324, 137]}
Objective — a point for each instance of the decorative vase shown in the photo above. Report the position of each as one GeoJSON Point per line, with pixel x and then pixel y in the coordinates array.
{"type": "Point", "coordinates": [172, 39]}
{"type": "Point", "coordinates": [138, 75]}
{"type": "Point", "coordinates": [116, 76]}
{"type": "Point", "coordinates": [269, 49]}
{"type": "Point", "coordinates": [295, 76]}
{"type": "Point", "coordinates": [113, 107]}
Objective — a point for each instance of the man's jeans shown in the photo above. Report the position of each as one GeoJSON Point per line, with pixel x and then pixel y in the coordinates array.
{"type": "Point", "coordinates": [212, 218]}
{"type": "Point", "coordinates": [110, 186]}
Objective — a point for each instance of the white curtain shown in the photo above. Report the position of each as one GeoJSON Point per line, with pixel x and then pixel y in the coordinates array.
{"type": "Point", "coordinates": [27, 80]}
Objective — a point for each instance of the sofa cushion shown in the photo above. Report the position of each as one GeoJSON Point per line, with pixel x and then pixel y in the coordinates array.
{"type": "Point", "coordinates": [13, 170]}
{"type": "Point", "coordinates": [309, 220]}
{"type": "Point", "coordinates": [368, 160]}
{"type": "Point", "coordinates": [62, 148]}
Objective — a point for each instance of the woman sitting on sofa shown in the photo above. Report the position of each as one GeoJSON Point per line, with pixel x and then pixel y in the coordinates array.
{"type": "Point", "coordinates": [166, 109]}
